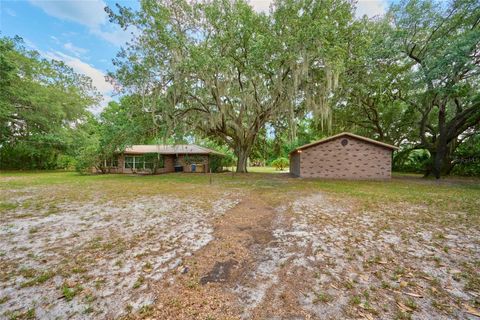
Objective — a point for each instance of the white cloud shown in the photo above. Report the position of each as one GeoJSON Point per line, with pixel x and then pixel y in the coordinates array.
{"type": "Point", "coordinates": [90, 13]}
{"type": "Point", "coordinates": [261, 5]}
{"type": "Point", "coordinates": [10, 12]}
{"type": "Point", "coordinates": [115, 36]}
{"type": "Point", "coordinates": [77, 51]}
{"type": "Point", "coordinates": [371, 8]}
{"type": "Point", "coordinates": [87, 12]}
{"type": "Point", "coordinates": [98, 77]}
{"type": "Point", "coordinates": [55, 39]}
{"type": "Point", "coordinates": [30, 44]}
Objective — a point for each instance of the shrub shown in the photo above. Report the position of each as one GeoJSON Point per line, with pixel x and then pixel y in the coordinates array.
{"type": "Point", "coordinates": [280, 163]}
{"type": "Point", "coordinates": [153, 161]}
{"type": "Point", "coordinates": [87, 159]}
{"type": "Point", "coordinates": [217, 162]}
{"type": "Point", "coordinates": [66, 162]}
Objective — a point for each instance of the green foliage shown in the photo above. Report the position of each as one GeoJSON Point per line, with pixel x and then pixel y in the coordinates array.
{"type": "Point", "coordinates": [124, 123]}
{"type": "Point", "coordinates": [218, 162]}
{"type": "Point", "coordinates": [153, 161]}
{"type": "Point", "coordinates": [257, 86]}
{"type": "Point", "coordinates": [191, 159]}
{"type": "Point", "coordinates": [239, 70]}
{"type": "Point", "coordinates": [85, 146]}
{"type": "Point", "coordinates": [438, 45]}
{"type": "Point", "coordinates": [280, 163]}
{"type": "Point", "coordinates": [87, 158]}
{"type": "Point", "coordinates": [40, 101]}
{"type": "Point", "coordinates": [66, 162]}
{"type": "Point", "coordinates": [70, 292]}
{"type": "Point", "coordinates": [411, 160]}
{"type": "Point", "coordinates": [467, 157]}
{"type": "Point", "coordinates": [96, 142]}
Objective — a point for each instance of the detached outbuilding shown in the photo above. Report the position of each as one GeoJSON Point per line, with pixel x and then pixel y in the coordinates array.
{"type": "Point", "coordinates": [343, 156]}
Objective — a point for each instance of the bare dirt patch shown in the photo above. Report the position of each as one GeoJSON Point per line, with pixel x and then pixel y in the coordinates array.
{"type": "Point", "coordinates": [207, 290]}
{"type": "Point", "coordinates": [275, 248]}
{"type": "Point", "coordinates": [318, 257]}
{"type": "Point", "coordinates": [98, 259]}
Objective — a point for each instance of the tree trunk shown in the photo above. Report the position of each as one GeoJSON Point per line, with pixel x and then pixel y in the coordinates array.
{"type": "Point", "coordinates": [242, 154]}
{"type": "Point", "coordinates": [441, 145]}
{"type": "Point", "coordinates": [441, 164]}
{"type": "Point", "coordinates": [438, 161]}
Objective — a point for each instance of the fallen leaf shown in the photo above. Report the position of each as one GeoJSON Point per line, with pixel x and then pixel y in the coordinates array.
{"type": "Point", "coordinates": [404, 307]}
{"type": "Point", "coordinates": [366, 316]}
{"type": "Point", "coordinates": [413, 294]}
{"type": "Point", "coordinates": [408, 293]}
{"type": "Point", "coordinates": [471, 310]}
{"type": "Point", "coordinates": [364, 277]}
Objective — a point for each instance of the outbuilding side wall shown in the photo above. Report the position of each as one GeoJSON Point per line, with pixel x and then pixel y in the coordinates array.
{"type": "Point", "coordinates": [295, 164]}
{"type": "Point", "coordinates": [357, 159]}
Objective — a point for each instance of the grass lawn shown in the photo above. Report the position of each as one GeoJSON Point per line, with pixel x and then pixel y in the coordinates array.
{"type": "Point", "coordinates": [260, 245]}
{"type": "Point", "coordinates": [266, 170]}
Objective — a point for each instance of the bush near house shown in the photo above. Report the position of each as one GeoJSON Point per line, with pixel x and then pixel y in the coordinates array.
{"type": "Point", "coordinates": [217, 163]}
{"type": "Point", "coordinates": [153, 161]}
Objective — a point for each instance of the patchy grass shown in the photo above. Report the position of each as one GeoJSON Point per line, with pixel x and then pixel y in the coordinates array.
{"type": "Point", "coordinates": [69, 291]}
{"type": "Point", "coordinates": [40, 279]}
{"type": "Point", "coordinates": [115, 246]}
{"type": "Point", "coordinates": [266, 170]}
{"type": "Point", "coordinates": [321, 297]}
{"type": "Point", "coordinates": [5, 206]}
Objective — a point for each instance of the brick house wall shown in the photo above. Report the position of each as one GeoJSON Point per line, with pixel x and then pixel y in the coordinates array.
{"type": "Point", "coordinates": [169, 163]}
{"type": "Point", "coordinates": [201, 160]}
{"type": "Point", "coordinates": [354, 159]}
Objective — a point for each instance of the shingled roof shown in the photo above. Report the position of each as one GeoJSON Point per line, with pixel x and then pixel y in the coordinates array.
{"type": "Point", "coordinates": [347, 134]}
{"type": "Point", "coordinates": [169, 149]}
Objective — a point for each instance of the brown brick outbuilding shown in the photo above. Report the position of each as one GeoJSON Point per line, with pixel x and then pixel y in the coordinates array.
{"type": "Point", "coordinates": [343, 156]}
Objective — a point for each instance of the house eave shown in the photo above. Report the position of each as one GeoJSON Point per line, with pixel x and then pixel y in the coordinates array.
{"type": "Point", "coordinates": [351, 135]}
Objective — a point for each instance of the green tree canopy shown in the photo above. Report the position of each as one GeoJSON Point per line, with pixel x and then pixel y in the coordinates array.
{"type": "Point", "coordinates": [40, 102]}
{"type": "Point", "coordinates": [225, 71]}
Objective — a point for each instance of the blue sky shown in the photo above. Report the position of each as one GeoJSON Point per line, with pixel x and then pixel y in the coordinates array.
{"type": "Point", "coordinates": [79, 33]}
{"type": "Point", "coordinates": [75, 31]}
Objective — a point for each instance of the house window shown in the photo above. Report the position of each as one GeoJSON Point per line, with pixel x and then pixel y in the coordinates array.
{"type": "Point", "coordinates": [153, 160]}
{"type": "Point", "coordinates": [140, 163]}
{"type": "Point", "coordinates": [130, 162]}
{"type": "Point", "coordinates": [114, 163]}
{"type": "Point", "coordinates": [110, 163]}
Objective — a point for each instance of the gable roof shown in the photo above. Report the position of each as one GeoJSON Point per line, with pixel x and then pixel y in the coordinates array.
{"type": "Point", "coordinates": [169, 149]}
{"type": "Point", "coordinates": [347, 134]}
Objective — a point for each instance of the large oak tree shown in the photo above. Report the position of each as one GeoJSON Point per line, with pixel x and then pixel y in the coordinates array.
{"type": "Point", "coordinates": [225, 70]}
{"type": "Point", "coordinates": [441, 44]}
{"type": "Point", "coordinates": [40, 102]}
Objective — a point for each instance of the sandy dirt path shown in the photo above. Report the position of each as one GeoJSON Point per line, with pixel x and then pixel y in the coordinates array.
{"type": "Point", "coordinates": [314, 257]}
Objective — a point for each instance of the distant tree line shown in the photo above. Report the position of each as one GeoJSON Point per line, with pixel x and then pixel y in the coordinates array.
{"type": "Point", "coordinates": [41, 105]}
{"type": "Point", "coordinates": [257, 85]}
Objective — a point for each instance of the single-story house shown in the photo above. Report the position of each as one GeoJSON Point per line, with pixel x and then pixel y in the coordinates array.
{"type": "Point", "coordinates": [343, 156]}
{"type": "Point", "coordinates": [172, 158]}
